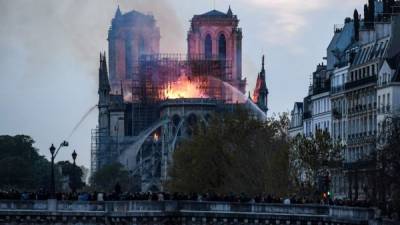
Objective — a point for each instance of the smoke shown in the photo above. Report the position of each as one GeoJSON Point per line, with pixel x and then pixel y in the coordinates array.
{"type": "Point", "coordinates": [75, 27]}
{"type": "Point", "coordinates": [49, 63]}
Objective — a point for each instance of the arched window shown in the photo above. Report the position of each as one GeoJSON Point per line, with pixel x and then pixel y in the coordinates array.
{"type": "Point", "coordinates": [208, 47]}
{"type": "Point", "coordinates": [222, 46]}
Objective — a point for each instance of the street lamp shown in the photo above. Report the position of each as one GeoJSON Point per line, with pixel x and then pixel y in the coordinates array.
{"type": "Point", "coordinates": [74, 155]}
{"type": "Point", "coordinates": [54, 153]}
{"type": "Point", "coordinates": [73, 182]}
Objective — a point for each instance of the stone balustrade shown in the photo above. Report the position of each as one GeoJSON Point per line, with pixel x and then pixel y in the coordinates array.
{"type": "Point", "coordinates": [178, 212]}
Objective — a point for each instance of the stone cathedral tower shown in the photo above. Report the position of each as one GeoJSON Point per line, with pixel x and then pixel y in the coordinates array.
{"type": "Point", "coordinates": [131, 35]}
{"type": "Point", "coordinates": [216, 34]}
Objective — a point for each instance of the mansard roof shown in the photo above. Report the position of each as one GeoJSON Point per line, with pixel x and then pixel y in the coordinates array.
{"type": "Point", "coordinates": [371, 51]}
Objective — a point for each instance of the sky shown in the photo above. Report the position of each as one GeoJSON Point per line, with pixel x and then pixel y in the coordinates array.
{"type": "Point", "coordinates": [49, 56]}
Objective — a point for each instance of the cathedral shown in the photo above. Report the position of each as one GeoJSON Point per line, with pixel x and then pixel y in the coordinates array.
{"type": "Point", "coordinates": [149, 102]}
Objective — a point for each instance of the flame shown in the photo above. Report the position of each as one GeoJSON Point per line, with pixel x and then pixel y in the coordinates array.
{"type": "Point", "coordinates": [184, 88]}
{"type": "Point", "coordinates": [156, 137]}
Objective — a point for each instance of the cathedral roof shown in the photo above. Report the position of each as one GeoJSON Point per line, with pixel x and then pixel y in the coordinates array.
{"type": "Point", "coordinates": [131, 17]}
{"type": "Point", "coordinates": [214, 13]}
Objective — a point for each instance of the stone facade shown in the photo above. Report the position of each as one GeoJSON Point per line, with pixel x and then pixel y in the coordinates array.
{"type": "Point", "coordinates": [362, 67]}
{"type": "Point", "coordinates": [131, 35]}
{"type": "Point", "coordinates": [216, 34]}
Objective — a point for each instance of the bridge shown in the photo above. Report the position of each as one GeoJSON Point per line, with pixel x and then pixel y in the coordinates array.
{"type": "Point", "coordinates": [178, 213]}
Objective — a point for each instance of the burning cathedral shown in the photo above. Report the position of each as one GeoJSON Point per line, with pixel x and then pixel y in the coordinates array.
{"type": "Point", "coordinates": [149, 102]}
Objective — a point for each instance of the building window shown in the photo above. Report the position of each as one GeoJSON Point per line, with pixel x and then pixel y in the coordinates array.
{"type": "Point", "coordinates": [379, 101]}
{"type": "Point", "coordinates": [222, 46]}
{"type": "Point", "coordinates": [373, 70]}
{"type": "Point", "coordinates": [208, 47]}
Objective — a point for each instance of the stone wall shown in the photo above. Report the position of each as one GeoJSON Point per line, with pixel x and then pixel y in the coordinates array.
{"type": "Point", "coordinates": [177, 213]}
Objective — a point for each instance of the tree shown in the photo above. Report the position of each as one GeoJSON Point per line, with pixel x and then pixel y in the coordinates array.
{"type": "Point", "coordinates": [313, 156]}
{"type": "Point", "coordinates": [108, 176]}
{"type": "Point", "coordinates": [388, 161]}
{"type": "Point", "coordinates": [21, 165]}
{"type": "Point", "coordinates": [235, 153]}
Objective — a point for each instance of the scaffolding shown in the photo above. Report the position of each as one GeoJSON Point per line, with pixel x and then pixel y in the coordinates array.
{"type": "Point", "coordinates": [144, 91]}
{"type": "Point", "coordinates": [100, 141]}
{"type": "Point", "coordinates": [153, 73]}
{"type": "Point", "coordinates": [145, 88]}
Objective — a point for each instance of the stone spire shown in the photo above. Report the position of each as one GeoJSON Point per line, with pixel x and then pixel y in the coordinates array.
{"type": "Point", "coordinates": [229, 13]}
{"type": "Point", "coordinates": [260, 96]}
{"type": "Point", "coordinates": [118, 13]}
{"type": "Point", "coordinates": [263, 67]}
{"type": "Point", "coordinates": [104, 84]}
{"type": "Point", "coordinates": [122, 90]}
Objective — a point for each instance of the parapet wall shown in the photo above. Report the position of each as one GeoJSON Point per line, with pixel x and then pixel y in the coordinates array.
{"type": "Point", "coordinates": [177, 212]}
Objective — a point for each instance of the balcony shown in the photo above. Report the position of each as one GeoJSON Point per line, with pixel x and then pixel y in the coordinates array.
{"type": "Point", "coordinates": [337, 89]}
{"type": "Point", "coordinates": [364, 81]}
{"type": "Point", "coordinates": [359, 164]}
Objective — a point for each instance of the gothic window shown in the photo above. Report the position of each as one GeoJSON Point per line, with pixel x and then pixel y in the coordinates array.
{"type": "Point", "coordinates": [208, 47]}
{"type": "Point", "coordinates": [222, 46]}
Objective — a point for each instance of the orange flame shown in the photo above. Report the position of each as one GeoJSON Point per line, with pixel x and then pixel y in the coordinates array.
{"type": "Point", "coordinates": [184, 88]}
{"type": "Point", "coordinates": [156, 137]}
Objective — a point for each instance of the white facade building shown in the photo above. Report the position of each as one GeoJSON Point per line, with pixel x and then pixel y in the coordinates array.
{"type": "Point", "coordinates": [351, 96]}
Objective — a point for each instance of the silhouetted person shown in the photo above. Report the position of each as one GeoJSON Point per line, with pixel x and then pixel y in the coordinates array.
{"type": "Point", "coordinates": [117, 189]}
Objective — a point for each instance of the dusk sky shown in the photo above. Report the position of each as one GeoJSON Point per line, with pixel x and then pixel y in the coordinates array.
{"type": "Point", "coordinates": [49, 55]}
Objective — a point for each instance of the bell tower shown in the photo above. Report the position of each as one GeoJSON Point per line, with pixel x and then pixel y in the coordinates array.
{"type": "Point", "coordinates": [216, 34]}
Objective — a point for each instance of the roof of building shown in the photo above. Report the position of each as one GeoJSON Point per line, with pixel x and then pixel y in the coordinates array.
{"type": "Point", "coordinates": [298, 105]}
{"type": "Point", "coordinates": [132, 16]}
{"type": "Point", "coordinates": [215, 14]}
{"type": "Point", "coordinates": [371, 51]}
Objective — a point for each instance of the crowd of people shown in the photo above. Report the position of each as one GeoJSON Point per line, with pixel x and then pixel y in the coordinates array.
{"type": "Point", "coordinates": [118, 195]}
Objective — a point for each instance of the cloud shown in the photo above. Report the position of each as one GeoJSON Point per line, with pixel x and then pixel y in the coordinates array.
{"type": "Point", "coordinates": [286, 20]}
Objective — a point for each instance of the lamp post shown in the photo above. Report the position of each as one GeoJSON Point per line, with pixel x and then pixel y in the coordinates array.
{"type": "Point", "coordinates": [74, 155]}
{"type": "Point", "coordinates": [54, 153]}
{"type": "Point", "coordinates": [52, 185]}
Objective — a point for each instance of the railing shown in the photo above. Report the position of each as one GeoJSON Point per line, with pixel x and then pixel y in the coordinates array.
{"type": "Point", "coordinates": [367, 80]}
{"type": "Point", "coordinates": [186, 207]}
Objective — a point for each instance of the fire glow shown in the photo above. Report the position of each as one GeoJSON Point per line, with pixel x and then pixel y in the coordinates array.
{"type": "Point", "coordinates": [184, 87]}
